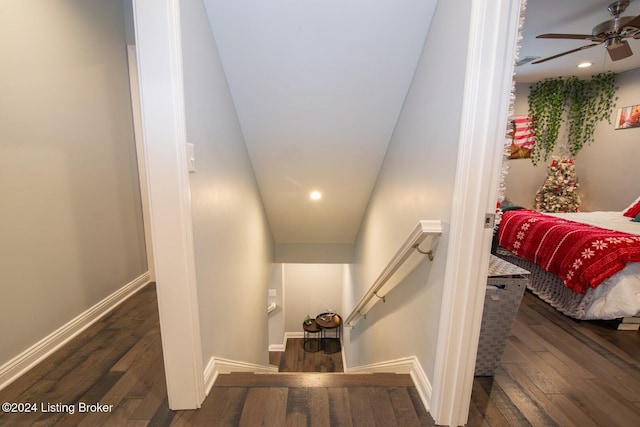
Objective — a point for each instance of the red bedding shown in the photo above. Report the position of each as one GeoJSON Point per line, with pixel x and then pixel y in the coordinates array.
{"type": "Point", "coordinates": [581, 255]}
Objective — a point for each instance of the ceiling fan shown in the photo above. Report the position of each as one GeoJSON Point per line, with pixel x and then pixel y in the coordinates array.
{"type": "Point", "coordinates": [612, 33]}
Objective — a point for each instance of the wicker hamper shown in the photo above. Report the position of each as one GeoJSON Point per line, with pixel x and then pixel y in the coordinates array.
{"type": "Point", "coordinates": [505, 287]}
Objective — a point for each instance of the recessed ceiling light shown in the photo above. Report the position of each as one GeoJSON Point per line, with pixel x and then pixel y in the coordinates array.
{"type": "Point", "coordinates": [315, 195]}
{"type": "Point", "coordinates": [584, 64]}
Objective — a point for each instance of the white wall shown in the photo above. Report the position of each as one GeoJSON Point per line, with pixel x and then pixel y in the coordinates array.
{"type": "Point", "coordinates": [416, 182]}
{"type": "Point", "coordinates": [276, 317]}
{"type": "Point", "coordinates": [311, 289]}
{"type": "Point", "coordinates": [70, 224]}
{"type": "Point", "coordinates": [233, 244]}
{"type": "Point", "coordinates": [324, 253]}
{"type": "Point", "coordinates": [607, 169]}
{"type": "Point", "coordinates": [301, 290]}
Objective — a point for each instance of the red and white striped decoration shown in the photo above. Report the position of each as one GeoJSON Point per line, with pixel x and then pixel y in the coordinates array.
{"type": "Point", "coordinates": [524, 136]}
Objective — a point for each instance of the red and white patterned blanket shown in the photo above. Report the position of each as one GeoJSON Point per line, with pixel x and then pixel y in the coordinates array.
{"type": "Point", "coordinates": [581, 255]}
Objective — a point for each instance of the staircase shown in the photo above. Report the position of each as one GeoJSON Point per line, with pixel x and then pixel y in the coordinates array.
{"type": "Point", "coordinates": [313, 399]}
{"type": "Point", "coordinates": [310, 389]}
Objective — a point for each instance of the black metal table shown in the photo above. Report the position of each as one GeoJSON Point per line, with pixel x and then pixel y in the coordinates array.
{"type": "Point", "coordinates": [309, 329]}
{"type": "Point", "coordinates": [329, 322]}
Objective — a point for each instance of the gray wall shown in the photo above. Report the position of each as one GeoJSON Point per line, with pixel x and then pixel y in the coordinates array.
{"type": "Point", "coordinates": [301, 290]}
{"type": "Point", "coordinates": [311, 289]}
{"type": "Point", "coordinates": [70, 218]}
{"type": "Point", "coordinates": [276, 317]}
{"type": "Point", "coordinates": [416, 182]}
{"type": "Point", "coordinates": [233, 244]}
{"type": "Point", "coordinates": [607, 169]}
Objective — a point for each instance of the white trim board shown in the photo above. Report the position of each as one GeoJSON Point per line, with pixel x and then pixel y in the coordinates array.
{"type": "Point", "coordinates": [142, 166]}
{"type": "Point", "coordinates": [277, 347]}
{"type": "Point", "coordinates": [26, 360]}
{"type": "Point", "coordinates": [283, 346]}
{"type": "Point", "coordinates": [164, 135]}
{"type": "Point", "coordinates": [219, 365]}
{"type": "Point", "coordinates": [488, 81]}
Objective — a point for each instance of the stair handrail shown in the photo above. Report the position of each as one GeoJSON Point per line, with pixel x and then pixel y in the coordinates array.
{"type": "Point", "coordinates": [425, 230]}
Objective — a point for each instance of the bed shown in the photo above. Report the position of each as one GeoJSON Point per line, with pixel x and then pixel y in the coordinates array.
{"type": "Point", "coordinates": [586, 265]}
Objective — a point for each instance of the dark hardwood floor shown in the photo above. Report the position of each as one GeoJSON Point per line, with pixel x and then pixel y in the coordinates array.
{"type": "Point", "coordinates": [555, 371]}
{"type": "Point", "coordinates": [310, 399]}
{"type": "Point", "coordinates": [116, 361]}
{"type": "Point", "coordinates": [296, 359]}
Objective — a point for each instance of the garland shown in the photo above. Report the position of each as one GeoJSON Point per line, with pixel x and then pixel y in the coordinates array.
{"type": "Point", "coordinates": [585, 103]}
{"type": "Point", "coordinates": [504, 170]}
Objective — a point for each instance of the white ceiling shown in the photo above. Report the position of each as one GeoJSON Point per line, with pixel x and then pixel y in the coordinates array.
{"type": "Point", "coordinates": [572, 17]}
{"type": "Point", "coordinates": [318, 87]}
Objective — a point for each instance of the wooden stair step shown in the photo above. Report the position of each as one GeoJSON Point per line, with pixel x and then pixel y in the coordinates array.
{"type": "Point", "coordinates": [293, 380]}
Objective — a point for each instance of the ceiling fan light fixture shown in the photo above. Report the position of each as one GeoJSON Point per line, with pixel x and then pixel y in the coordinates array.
{"type": "Point", "coordinates": [619, 49]}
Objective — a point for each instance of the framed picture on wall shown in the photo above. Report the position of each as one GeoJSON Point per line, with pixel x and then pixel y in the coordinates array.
{"type": "Point", "coordinates": [522, 137]}
{"type": "Point", "coordinates": [628, 117]}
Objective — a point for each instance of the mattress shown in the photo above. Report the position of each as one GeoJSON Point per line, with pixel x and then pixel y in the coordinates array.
{"type": "Point", "coordinates": [619, 295]}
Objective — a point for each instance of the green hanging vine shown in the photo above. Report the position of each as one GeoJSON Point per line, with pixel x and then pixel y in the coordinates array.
{"type": "Point", "coordinates": [546, 104]}
{"type": "Point", "coordinates": [586, 103]}
{"type": "Point", "coordinates": [589, 103]}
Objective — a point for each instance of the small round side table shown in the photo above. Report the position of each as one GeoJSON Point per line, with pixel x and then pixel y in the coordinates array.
{"type": "Point", "coordinates": [311, 328]}
{"type": "Point", "coordinates": [327, 322]}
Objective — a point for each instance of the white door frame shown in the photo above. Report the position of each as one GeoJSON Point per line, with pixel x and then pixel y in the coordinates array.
{"type": "Point", "coordinates": [142, 166]}
{"type": "Point", "coordinates": [488, 83]}
{"type": "Point", "coordinates": [157, 27]}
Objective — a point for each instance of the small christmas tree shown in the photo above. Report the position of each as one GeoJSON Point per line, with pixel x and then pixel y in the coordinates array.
{"type": "Point", "coordinates": [559, 193]}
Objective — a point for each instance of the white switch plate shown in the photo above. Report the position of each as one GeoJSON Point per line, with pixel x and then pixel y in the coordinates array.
{"type": "Point", "coordinates": [272, 292]}
{"type": "Point", "coordinates": [191, 157]}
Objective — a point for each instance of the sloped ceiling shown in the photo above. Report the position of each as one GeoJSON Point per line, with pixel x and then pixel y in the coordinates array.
{"type": "Point", "coordinates": [318, 87]}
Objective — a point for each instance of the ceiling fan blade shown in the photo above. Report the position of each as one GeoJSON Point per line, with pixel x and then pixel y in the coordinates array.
{"type": "Point", "coordinates": [635, 22]}
{"type": "Point", "coordinates": [570, 37]}
{"type": "Point", "coordinates": [619, 50]}
{"type": "Point", "coordinates": [566, 53]}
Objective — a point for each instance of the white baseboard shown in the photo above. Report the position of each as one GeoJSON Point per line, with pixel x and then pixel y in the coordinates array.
{"type": "Point", "coordinates": [219, 365]}
{"type": "Point", "coordinates": [26, 360]}
{"type": "Point", "coordinates": [283, 346]}
{"type": "Point", "coordinates": [405, 365]}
